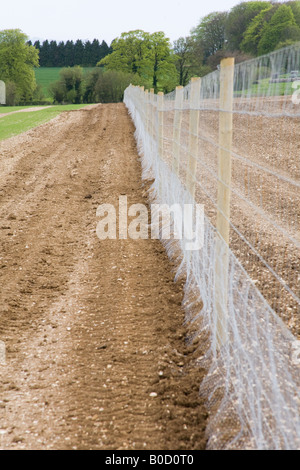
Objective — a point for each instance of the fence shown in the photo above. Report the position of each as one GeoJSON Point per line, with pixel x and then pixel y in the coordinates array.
{"type": "Point", "coordinates": [230, 141]}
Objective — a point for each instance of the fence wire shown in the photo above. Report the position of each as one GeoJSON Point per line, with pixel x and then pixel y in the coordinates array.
{"type": "Point", "coordinates": [252, 384]}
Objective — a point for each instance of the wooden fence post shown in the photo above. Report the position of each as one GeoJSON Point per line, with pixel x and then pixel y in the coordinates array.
{"type": "Point", "coordinates": [193, 135]}
{"type": "Point", "coordinates": [160, 115]}
{"type": "Point", "coordinates": [223, 198]}
{"type": "Point", "coordinates": [147, 111]}
{"type": "Point", "coordinates": [177, 129]}
{"type": "Point", "coordinates": [152, 117]}
{"type": "Point", "coordinates": [160, 119]}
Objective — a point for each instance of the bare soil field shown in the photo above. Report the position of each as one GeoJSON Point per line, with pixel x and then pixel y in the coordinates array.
{"type": "Point", "coordinates": [96, 356]}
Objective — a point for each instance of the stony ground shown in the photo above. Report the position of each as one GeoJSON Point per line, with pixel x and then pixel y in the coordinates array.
{"type": "Point", "coordinates": [96, 356]}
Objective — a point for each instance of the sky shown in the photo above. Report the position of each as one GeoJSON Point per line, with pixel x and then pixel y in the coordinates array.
{"type": "Point", "coordinates": [61, 20]}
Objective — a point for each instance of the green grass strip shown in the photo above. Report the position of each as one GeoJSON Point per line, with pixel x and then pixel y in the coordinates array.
{"type": "Point", "coordinates": [15, 124]}
{"type": "Point", "coordinates": [11, 109]}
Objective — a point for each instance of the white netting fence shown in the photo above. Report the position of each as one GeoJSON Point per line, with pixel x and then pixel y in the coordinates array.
{"type": "Point", "coordinates": [230, 141]}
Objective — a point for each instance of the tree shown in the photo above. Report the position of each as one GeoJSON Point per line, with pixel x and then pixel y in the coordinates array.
{"type": "Point", "coordinates": [104, 50]}
{"type": "Point", "coordinates": [45, 59]}
{"type": "Point", "coordinates": [111, 85]}
{"type": "Point", "coordinates": [37, 45]}
{"type": "Point", "coordinates": [17, 62]}
{"type": "Point", "coordinates": [281, 26]}
{"type": "Point", "coordinates": [210, 33]}
{"type": "Point", "coordinates": [90, 95]}
{"type": "Point", "coordinates": [183, 50]}
{"type": "Point", "coordinates": [70, 87]}
{"type": "Point", "coordinates": [128, 52]}
{"type": "Point", "coordinates": [69, 54]}
{"type": "Point", "coordinates": [253, 33]}
{"type": "Point", "coordinates": [87, 55]}
{"type": "Point", "coordinates": [78, 52]}
{"type": "Point", "coordinates": [60, 55]}
{"type": "Point", "coordinates": [160, 63]}
{"type": "Point", "coordinates": [53, 53]}
{"type": "Point", "coordinates": [147, 55]}
{"type": "Point", "coordinates": [189, 60]}
{"type": "Point", "coordinates": [295, 6]}
{"type": "Point", "coordinates": [11, 94]}
{"type": "Point", "coordinates": [95, 52]}
{"type": "Point", "coordinates": [239, 19]}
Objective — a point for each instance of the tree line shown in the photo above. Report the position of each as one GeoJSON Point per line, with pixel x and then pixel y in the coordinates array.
{"type": "Point", "coordinates": [70, 53]}
{"type": "Point", "coordinates": [96, 86]}
{"type": "Point", "coordinates": [248, 30]}
{"type": "Point", "coordinates": [147, 56]}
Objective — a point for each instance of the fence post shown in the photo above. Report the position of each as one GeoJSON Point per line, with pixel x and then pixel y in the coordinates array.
{"type": "Point", "coordinates": [177, 129]}
{"type": "Point", "coordinates": [141, 98]}
{"type": "Point", "coordinates": [160, 119]}
{"type": "Point", "coordinates": [193, 135]}
{"type": "Point", "coordinates": [160, 114]}
{"type": "Point", "coordinates": [152, 119]}
{"type": "Point", "coordinates": [223, 198]}
{"type": "Point", "coordinates": [147, 112]}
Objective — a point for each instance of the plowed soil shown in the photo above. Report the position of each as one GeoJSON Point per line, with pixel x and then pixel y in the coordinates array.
{"type": "Point", "coordinates": [96, 356]}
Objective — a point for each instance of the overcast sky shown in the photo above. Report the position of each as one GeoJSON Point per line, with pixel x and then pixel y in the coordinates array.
{"type": "Point", "coordinates": [105, 19]}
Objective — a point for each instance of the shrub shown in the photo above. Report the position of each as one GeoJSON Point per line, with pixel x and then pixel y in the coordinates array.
{"type": "Point", "coordinates": [70, 87]}
{"type": "Point", "coordinates": [111, 85]}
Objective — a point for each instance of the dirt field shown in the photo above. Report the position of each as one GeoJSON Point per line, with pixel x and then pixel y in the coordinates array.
{"type": "Point", "coordinates": [96, 352]}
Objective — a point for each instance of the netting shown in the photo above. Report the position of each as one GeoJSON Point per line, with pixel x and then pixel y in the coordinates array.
{"type": "Point", "coordinates": [242, 287]}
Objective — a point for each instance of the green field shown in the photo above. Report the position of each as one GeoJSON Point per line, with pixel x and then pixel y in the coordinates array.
{"type": "Point", "coordinates": [265, 88]}
{"type": "Point", "coordinates": [47, 75]}
{"type": "Point", "coordinates": [11, 109]}
{"type": "Point", "coordinates": [17, 123]}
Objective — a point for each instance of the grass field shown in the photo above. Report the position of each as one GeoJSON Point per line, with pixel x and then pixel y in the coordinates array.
{"type": "Point", "coordinates": [265, 88]}
{"type": "Point", "coordinates": [11, 109]}
{"type": "Point", "coordinates": [47, 75]}
{"type": "Point", "coordinates": [17, 123]}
